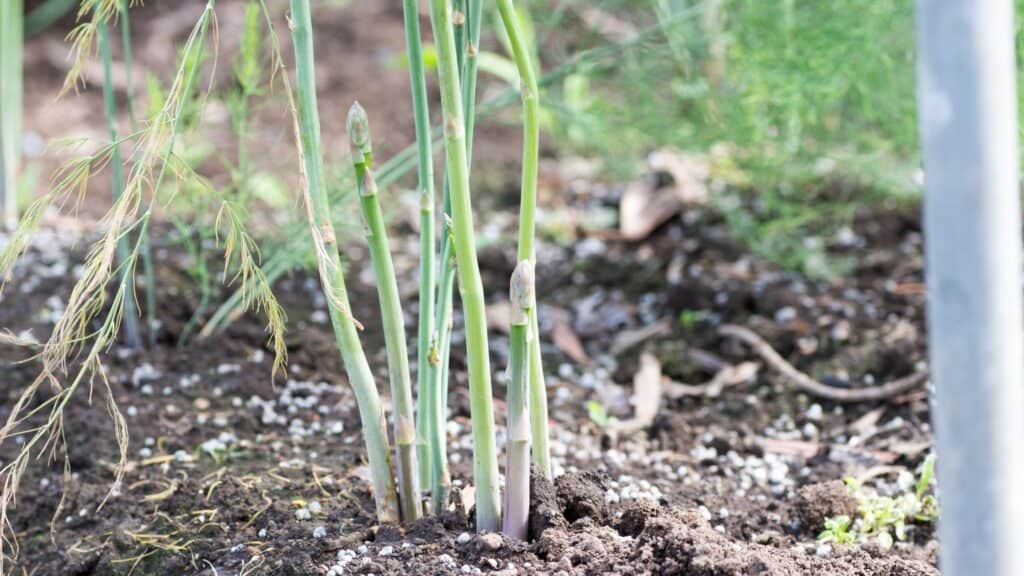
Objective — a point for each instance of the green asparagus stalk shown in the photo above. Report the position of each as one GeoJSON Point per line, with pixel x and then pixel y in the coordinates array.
{"type": "Point", "coordinates": [517, 467]}
{"type": "Point", "coordinates": [527, 224]}
{"type": "Point", "coordinates": [149, 276]}
{"type": "Point", "coordinates": [485, 461]}
{"type": "Point", "coordinates": [440, 348]}
{"type": "Point", "coordinates": [131, 316]}
{"type": "Point", "coordinates": [465, 51]}
{"type": "Point", "coordinates": [428, 240]}
{"type": "Point", "coordinates": [391, 316]}
{"type": "Point", "coordinates": [331, 274]}
{"type": "Point", "coordinates": [11, 39]}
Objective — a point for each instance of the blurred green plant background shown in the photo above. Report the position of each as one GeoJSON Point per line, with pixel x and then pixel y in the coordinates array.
{"type": "Point", "coordinates": [807, 109]}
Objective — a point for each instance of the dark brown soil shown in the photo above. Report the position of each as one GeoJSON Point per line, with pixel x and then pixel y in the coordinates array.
{"type": "Point", "coordinates": [230, 473]}
{"type": "Point", "coordinates": [816, 502]}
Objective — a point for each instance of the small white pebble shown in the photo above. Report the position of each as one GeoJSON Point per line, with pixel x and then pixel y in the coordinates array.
{"type": "Point", "coordinates": [814, 413]}
{"type": "Point", "coordinates": [704, 512]}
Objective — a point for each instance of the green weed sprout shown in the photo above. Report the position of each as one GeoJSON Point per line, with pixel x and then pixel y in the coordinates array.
{"type": "Point", "coordinates": [517, 450]}
{"type": "Point", "coordinates": [332, 276]}
{"type": "Point", "coordinates": [485, 461]}
{"type": "Point", "coordinates": [882, 518]}
{"type": "Point", "coordinates": [391, 314]}
{"type": "Point", "coordinates": [837, 531]}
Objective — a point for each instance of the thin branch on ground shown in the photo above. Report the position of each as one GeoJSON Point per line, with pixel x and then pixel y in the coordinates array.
{"type": "Point", "coordinates": [805, 383]}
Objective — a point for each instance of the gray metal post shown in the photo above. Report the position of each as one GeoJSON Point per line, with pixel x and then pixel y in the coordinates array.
{"type": "Point", "coordinates": [968, 119]}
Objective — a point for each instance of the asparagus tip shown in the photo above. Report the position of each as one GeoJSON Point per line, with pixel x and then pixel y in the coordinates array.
{"type": "Point", "coordinates": [521, 291]}
{"type": "Point", "coordinates": [359, 128]}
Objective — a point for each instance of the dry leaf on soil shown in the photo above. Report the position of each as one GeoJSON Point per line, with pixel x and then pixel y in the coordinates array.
{"type": "Point", "coordinates": [647, 390]}
{"type": "Point", "coordinates": [645, 205]}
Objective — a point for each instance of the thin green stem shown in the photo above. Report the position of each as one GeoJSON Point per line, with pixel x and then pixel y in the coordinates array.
{"type": "Point", "coordinates": [474, 22]}
{"type": "Point", "coordinates": [332, 276]}
{"type": "Point", "coordinates": [248, 75]}
{"type": "Point", "coordinates": [196, 248]}
{"type": "Point", "coordinates": [527, 222]}
{"type": "Point", "coordinates": [11, 45]}
{"type": "Point", "coordinates": [467, 37]}
{"type": "Point", "coordinates": [46, 14]}
{"type": "Point", "coordinates": [428, 240]}
{"type": "Point", "coordinates": [126, 47]}
{"type": "Point", "coordinates": [148, 274]}
{"type": "Point", "coordinates": [485, 461]}
{"type": "Point", "coordinates": [131, 317]}
{"type": "Point", "coordinates": [242, 127]}
{"type": "Point", "coordinates": [392, 318]}
{"type": "Point", "coordinates": [440, 349]}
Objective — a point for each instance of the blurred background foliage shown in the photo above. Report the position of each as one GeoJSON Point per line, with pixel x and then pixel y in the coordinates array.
{"type": "Point", "coordinates": [782, 84]}
{"type": "Point", "coordinates": [806, 109]}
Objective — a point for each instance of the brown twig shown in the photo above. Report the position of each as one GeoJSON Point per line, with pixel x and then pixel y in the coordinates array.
{"type": "Point", "coordinates": [805, 383]}
{"type": "Point", "coordinates": [728, 376]}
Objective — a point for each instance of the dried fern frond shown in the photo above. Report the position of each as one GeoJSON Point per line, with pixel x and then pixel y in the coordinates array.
{"type": "Point", "coordinates": [242, 254]}
{"type": "Point", "coordinates": [70, 181]}
{"type": "Point", "coordinates": [91, 15]}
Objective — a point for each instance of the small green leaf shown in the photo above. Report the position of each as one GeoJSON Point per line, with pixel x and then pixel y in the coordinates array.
{"type": "Point", "coordinates": [598, 415]}
{"type": "Point", "coordinates": [927, 475]}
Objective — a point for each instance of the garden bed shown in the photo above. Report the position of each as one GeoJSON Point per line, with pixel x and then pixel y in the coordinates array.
{"type": "Point", "coordinates": [722, 465]}
{"type": "Point", "coordinates": [229, 471]}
